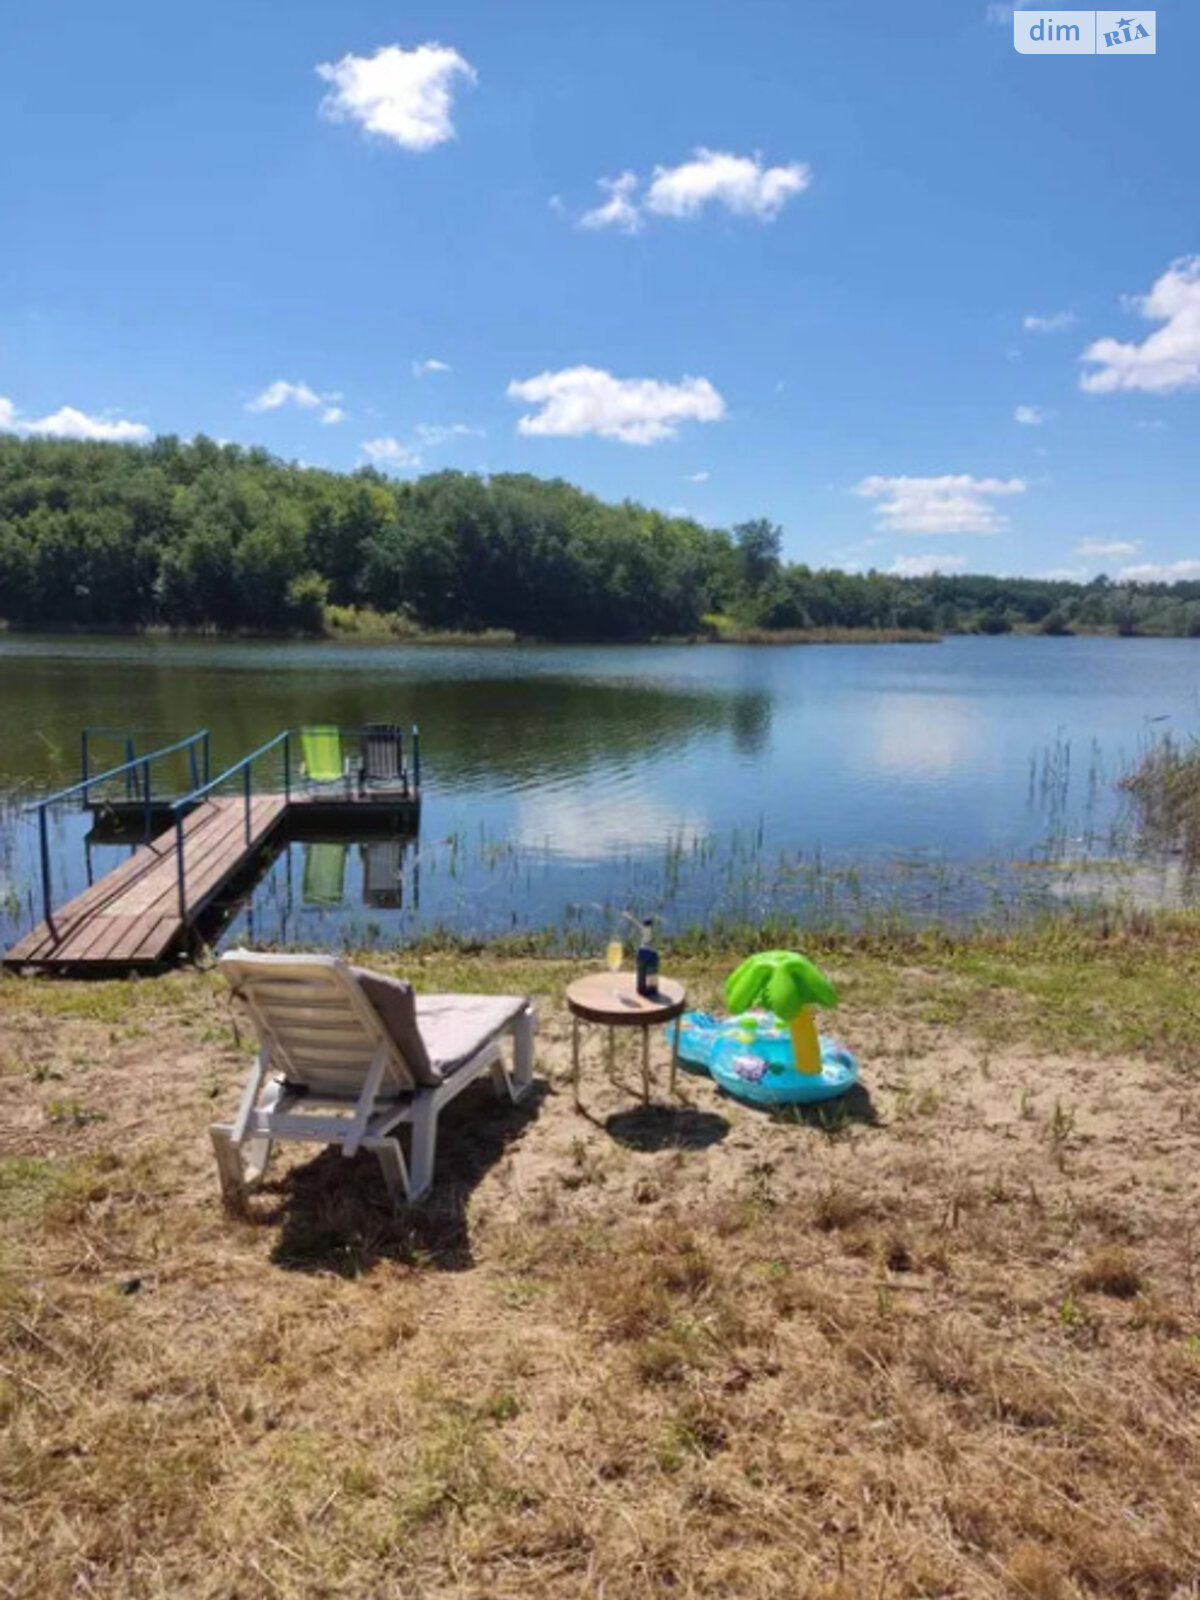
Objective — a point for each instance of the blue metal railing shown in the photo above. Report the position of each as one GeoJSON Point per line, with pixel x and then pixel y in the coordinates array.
{"type": "Point", "coordinates": [198, 766]}
{"type": "Point", "coordinates": [139, 766]}
{"type": "Point", "coordinates": [136, 769]}
{"type": "Point", "coordinates": [188, 801]}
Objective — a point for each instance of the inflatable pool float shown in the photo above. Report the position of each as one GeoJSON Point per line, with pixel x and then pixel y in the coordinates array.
{"type": "Point", "coordinates": [751, 1056]}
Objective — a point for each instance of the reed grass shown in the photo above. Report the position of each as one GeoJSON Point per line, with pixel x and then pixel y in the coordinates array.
{"type": "Point", "coordinates": [1164, 787]}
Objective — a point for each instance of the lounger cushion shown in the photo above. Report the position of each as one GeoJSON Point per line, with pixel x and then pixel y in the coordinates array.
{"type": "Point", "coordinates": [396, 1005]}
{"type": "Point", "coordinates": [456, 1026]}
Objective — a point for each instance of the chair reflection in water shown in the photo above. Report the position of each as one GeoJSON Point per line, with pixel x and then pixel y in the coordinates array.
{"type": "Point", "coordinates": [324, 873]}
{"type": "Point", "coordinates": [324, 882]}
{"type": "Point", "coordinates": [383, 865]}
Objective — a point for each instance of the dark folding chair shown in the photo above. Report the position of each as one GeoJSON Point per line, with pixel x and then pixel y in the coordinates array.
{"type": "Point", "coordinates": [383, 757]}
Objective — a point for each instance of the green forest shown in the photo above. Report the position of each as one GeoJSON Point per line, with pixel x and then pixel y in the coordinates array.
{"type": "Point", "coordinates": [200, 535]}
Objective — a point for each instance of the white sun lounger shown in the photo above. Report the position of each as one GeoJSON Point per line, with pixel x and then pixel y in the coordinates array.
{"type": "Point", "coordinates": [347, 1056]}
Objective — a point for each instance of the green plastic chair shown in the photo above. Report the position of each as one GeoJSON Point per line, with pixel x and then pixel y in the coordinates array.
{"type": "Point", "coordinates": [322, 753]}
{"type": "Point", "coordinates": [324, 874]}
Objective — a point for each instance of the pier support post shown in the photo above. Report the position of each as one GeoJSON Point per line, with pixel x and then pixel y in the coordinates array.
{"type": "Point", "coordinates": [183, 916]}
{"type": "Point", "coordinates": [44, 843]}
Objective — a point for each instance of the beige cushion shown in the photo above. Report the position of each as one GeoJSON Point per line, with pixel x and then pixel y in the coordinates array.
{"type": "Point", "coordinates": [395, 1003]}
{"type": "Point", "coordinates": [455, 1026]}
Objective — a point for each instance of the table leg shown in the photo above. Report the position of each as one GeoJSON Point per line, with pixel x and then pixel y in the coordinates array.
{"type": "Point", "coordinates": [612, 1055]}
{"type": "Point", "coordinates": [575, 1061]}
{"type": "Point", "coordinates": [675, 1053]}
{"type": "Point", "coordinates": [645, 1066]}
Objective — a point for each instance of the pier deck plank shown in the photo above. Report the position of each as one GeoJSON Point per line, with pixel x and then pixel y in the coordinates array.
{"type": "Point", "coordinates": [132, 917]}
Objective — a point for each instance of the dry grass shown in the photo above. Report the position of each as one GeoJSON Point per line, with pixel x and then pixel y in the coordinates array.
{"type": "Point", "coordinates": [945, 1344]}
{"type": "Point", "coordinates": [1165, 789]}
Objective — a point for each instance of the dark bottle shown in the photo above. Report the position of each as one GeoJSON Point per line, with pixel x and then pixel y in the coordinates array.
{"type": "Point", "coordinates": [647, 962]}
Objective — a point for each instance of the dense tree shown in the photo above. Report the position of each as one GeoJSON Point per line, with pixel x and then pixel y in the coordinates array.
{"type": "Point", "coordinates": [760, 552]}
{"type": "Point", "coordinates": [202, 535]}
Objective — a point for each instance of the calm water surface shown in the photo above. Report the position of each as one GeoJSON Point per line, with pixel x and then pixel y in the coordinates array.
{"type": "Point", "coordinates": [565, 784]}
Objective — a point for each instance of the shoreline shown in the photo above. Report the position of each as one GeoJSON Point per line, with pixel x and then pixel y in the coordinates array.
{"type": "Point", "coordinates": [501, 638]}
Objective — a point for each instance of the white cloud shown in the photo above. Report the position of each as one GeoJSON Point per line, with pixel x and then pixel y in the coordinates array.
{"type": "Point", "coordinates": [583, 400]}
{"type": "Point", "coordinates": [740, 183]}
{"type": "Point", "coordinates": [1029, 416]}
{"type": "Point", "coordinates": [421, 369]}
{"type": "Point", "coordinates": [926, 566]}
{"type": "Point", "coordinates": [1056, 322]}
{"type": "Point", "coordinates": [1168, 572]}
{"type": "Point", "coordinates": [1167, 359]}
{"type": "Point", "coordinates": [999, 14]}
{"type": "Point", "coordinates": [1108, 547]}
{"type": "Point", "coordinates": [68, 423]}
{"type": "Point", "coordinates": [432, 434]}
{"type": "Point", "coordinates": [697, 477]}
{"type": "Point", "coordinates": [620, 210]}
{"type": "Point", "coordinates": [953, 503]}
{"type": "Point", "coordinates": [429, 435]}
{"type": "Point", "coordinates": [401, 95]}
{"type": "Point", "coordinates": [1151, 425]}
{"type": "Point", "coordinates": [282, 393]}
{"type": "Point", "coordinates": [390, 453]}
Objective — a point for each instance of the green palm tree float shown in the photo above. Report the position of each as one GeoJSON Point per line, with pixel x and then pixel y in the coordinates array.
{"type": "Point", "coordinates": [791, 986]}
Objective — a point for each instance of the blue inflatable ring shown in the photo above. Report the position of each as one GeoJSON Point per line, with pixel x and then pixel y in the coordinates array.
{"type": "Point", "coordinates": [750, 1056]}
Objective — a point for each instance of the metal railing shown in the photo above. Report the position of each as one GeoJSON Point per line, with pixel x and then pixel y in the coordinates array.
{"type": "Point", "coordinates": [141, 766]}
{"type": "Point", "coordinates": [127, 738]}
{"type": "Point", "coordinates": [188, 802]}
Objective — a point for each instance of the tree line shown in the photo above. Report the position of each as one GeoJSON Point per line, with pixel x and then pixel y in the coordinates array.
{"type": "Point", "coordinates": [200, 535]}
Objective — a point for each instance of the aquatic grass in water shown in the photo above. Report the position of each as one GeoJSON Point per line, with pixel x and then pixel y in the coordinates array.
{"type": "Point", "coordinates": [474, 888]}
{"type": "Point", "coordinates": [1164, 788]}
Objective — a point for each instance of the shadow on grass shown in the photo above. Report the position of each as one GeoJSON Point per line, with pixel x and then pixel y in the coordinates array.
{"type": "Point", "coordinates": [334, 1215]}
{"type": "Point", "coordinates": [831, 1116]}
{"type": "Point", "coordinates": [666, 1128]}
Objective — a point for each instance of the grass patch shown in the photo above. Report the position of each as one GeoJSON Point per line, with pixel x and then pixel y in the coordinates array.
{"type": "Point", "coordinates": [953, 1350]}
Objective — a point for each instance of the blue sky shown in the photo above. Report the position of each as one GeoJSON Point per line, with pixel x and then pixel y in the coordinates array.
{"type": "Point", "coordinates": [822, 234]}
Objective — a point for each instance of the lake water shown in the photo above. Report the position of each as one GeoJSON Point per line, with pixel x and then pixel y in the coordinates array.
{"type": "Point", "coordinates": [564, 785]}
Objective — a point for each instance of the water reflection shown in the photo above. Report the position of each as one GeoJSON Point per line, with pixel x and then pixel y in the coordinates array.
{"type": "Point", "coordinates": [560, 779]}
{"type": "Point", "coordinates": [587, 827]}
{"type": "Point", "coordinates": [383, 873]}
{"type": "Point", "coordinates": [508, 721]}
{"type": "Point", "coordinates": [324, 880]}
{"type": "Point", "coordinates": [922, 736]}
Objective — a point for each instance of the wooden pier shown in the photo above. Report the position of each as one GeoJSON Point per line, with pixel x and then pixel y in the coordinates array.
{"type": "Point", "coordinates": [356, 814]}
{"type": "Point", "coordinates": [133, 917]}
{"type": "Point", "coordinates": [197, 844]}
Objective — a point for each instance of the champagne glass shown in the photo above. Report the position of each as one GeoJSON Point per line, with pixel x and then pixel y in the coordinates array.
{"type": "Point", "coordinates": [613, 952]}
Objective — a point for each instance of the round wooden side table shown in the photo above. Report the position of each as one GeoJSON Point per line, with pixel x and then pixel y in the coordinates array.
{"type": "Point", "coordinates": [611, 1000]}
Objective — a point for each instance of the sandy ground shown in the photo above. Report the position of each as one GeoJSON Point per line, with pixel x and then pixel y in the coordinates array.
{"type": "Point", "coordinates": [942, 1339]}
